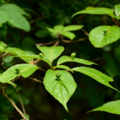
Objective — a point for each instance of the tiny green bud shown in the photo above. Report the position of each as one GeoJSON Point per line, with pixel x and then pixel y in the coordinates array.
{"type": "Point", "coordinates": [104, 32]}
{"type": "Point", "coordinates": [58, 75]}
{"type": "Point", "coordinates": [73, 55]}
{"type": "Point", "coordinates": [41, 55]}
{"type": "Point", "coordinates": [17, 71]}
{"type": "Point", "coordinates": [54, 67]}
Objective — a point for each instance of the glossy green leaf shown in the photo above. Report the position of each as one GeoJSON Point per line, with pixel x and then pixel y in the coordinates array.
{"type": "Point", "coordinates": [3, 17]}
{"type": "Point", "coordinates": [51, 53]}
{"type": "Point", "coordinates": [69, 35]}
{"type": "Point", "coordinates": [63, 67]}
{"type": "Point", "coordinates": [65, 59]}
{"type": "Point", "coordinates": [104, 35]}
{"type": "Point", "coordinates": [117, 10]}
{"type": "Point", "coordinates": [96, 75]}
{"type": "Point", "coordinates": [12, 7]}
{"type": "Point", "coordinates": [18, 21]}
{"type": "Point", "coordinates": [73, 27]}
{"type": "Point", "coordinates": [110, 107]}
{"type": "Point", "coordinates": [24, 70]}
{"type": "Point", "coordinates": [63, 88]}
{"type": "Point", "coordinates": [97, 11]}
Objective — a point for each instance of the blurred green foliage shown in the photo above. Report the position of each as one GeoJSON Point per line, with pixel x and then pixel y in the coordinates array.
{"type": "Point", "coordinates": [89, 94]}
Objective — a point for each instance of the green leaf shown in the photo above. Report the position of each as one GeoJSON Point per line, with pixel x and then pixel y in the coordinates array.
{"type": "Point", "coordinates": [19, 52]}
{"type": "Point", "coordinates": [8, 58]}
{"type": "Point", "coordinates": [2, 45]}
{"type": "Point", "coordinates": [110, 107]}
{"type": "Point", "coordinates": [117, 10]}
{"type": "Point", "coordinates": [51, 53]}
{"type": "Point", "coordinates": [65, 59]}
{"type": "Point", "coordinates": [3, 17]}
{"type": "Point", "coordinates": [24, 70]}
{"type": "Point", "coordinates": [97, 11]}
{"type": "Point", "coordinates": [59, 28]}
{"type": "Point", "coordinates": [63, 88]}
{"type": "Point", "coordinates": [70, 35]}
{"type": "Point", "coordinates": [18, 21]}
{"type": "Point", "coordinates": [63, 67]}
{"type": "Point", "coordinates": [12, 7]}
{"type": "Point", "coordinates": [51, 30]}
{"type": "Point", "coordinates": [96, 75]}
{"type": "Point", "coordinates": [104, 35]}
{"type": "Point", "coordinates": [30, 58]}
{"type": "Point", "coordinates": [73, 27]}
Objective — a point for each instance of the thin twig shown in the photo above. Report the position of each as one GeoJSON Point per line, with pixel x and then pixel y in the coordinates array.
{"type": "Point", "coordinates": [17, 109]}
{"type": "Point", "coordinates": [36, 80]}
{"type": "Point", "coordinates": [36, 61]}
{"type": "Point", "coordinates": [114, 20]}
{"type": "Point", "coordinates": [4, 55]}
{"type": "Point", "coordinates": [57, 43]}
{"type": "Point", "coordinates": [79, 40]}
{"type": "Point", "coordinates": [42, 69]}
{"type": "Point", "coordinates": [38, 19]}
{"type": "Point", "coordinates": [23, 108]}
{"type": "Point", "coordinates": [85, 32]}
{"type": "Point", "coordinates": [44, 44]}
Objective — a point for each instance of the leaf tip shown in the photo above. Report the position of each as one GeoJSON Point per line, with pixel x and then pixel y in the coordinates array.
{"type": "Point", "coordinates": [65, 106]}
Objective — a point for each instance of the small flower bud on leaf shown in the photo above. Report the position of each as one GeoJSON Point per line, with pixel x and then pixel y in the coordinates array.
{"type": "Point", "coordinates": [104, 32]}
{"type": "Point", "coordinates": [41, 55]}
{"type": "Point", "coordinates": [54, 67]}
{"type": "Point", "coordinates": [17, 71]}
{"type": "Point", "coordinates": [73, 55]}
{"type": "Point", "coordinates": [58, 75]}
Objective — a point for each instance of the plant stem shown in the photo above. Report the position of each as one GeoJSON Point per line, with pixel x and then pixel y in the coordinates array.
{"type": "Point", "coordinates": [79, 40]}
{"type": "Point", "coordinates": [23, 108]}
{"type": "Point", "coordinates": [36, 80]}
{"type": "Point", "coordinates": [17, 109]}
{"type": "Point", "coordinates": [44, 44]}
{"type": "Point", "coordinates": [85, 32]}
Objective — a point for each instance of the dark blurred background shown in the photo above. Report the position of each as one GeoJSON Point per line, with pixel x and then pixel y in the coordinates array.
{"type": "Point", "coordinates": [39, 104]}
